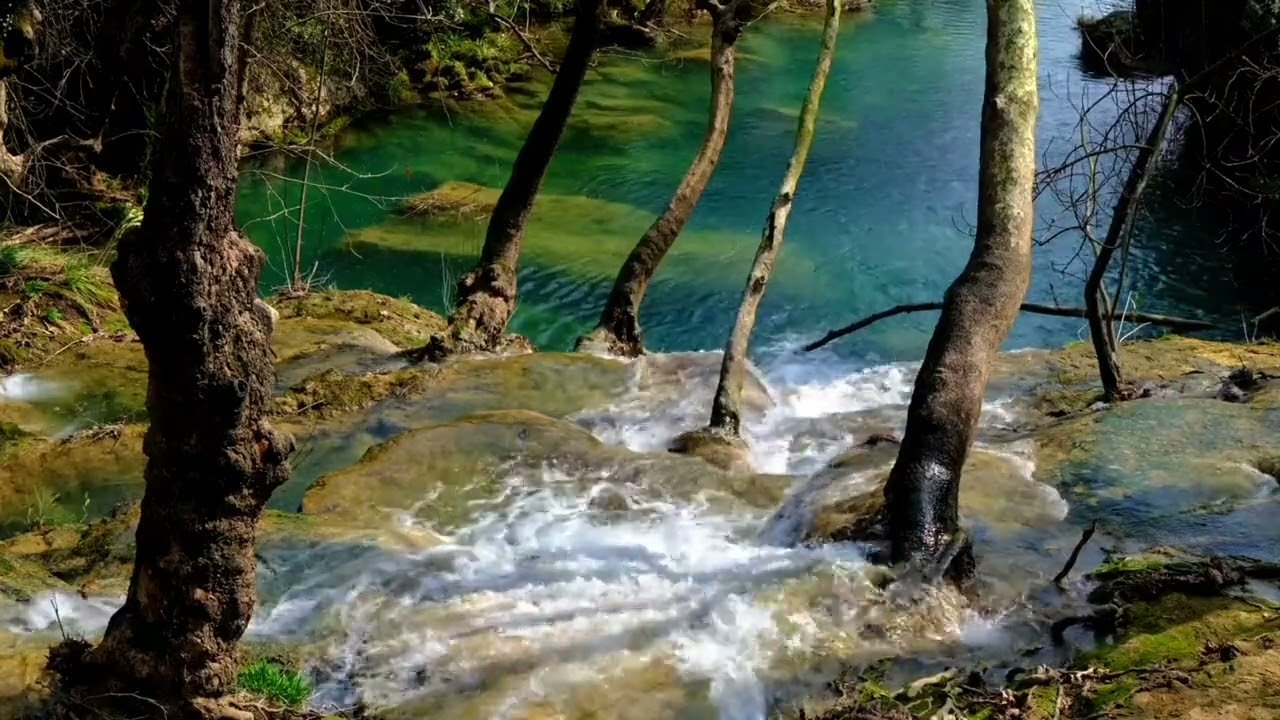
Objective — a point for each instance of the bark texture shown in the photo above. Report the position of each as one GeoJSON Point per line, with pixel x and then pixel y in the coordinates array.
{"type": "Point", "coordinates": [978, 311]}
{"type": "Point", "coordinates": [487, 295]}
{"type": "Point", "coordinates": [726, 413]}
{"type": "Point", "coordinates": [618, 330]}
{"type": "Point", "coordinates": [1101, 330]}
{"type": "Point", "coordinates": [188, 284]}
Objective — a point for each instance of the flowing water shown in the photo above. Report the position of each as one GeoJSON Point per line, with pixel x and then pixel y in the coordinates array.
{"type": "Point", "coordinates": [524, 568]}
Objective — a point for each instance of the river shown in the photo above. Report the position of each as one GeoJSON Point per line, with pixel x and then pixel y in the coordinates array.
{"type": "Point", "coordinates": [883, 215]}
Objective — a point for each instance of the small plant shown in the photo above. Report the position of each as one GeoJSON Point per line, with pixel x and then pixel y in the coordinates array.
{"type": "Point", "coordinates": [53, 316]}
{"type": "Point", "coordinates": [275, 684]}
{"type": "Point", "coordinates": [41, 510]}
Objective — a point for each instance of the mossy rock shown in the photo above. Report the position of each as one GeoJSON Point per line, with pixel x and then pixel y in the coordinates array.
{"type": "Point", "coordinates": [1065, 381]}
{"type": "Point", "coordinates": [553, 384]}
{"type": "Point", "coordinates": [718, 448]}
{"type": "Point", "coordinates": [22, 675]}
{"type": "Point", "coordinates": [21, 579]}
{"type": "Point", "coordinates": [96, 558]}
{"type": "Point", "coordinates": [331, 393]}
{"type": "Point", "coordinates": [845, 501]}
{"type": "Point", "coordinates": [401, 322]}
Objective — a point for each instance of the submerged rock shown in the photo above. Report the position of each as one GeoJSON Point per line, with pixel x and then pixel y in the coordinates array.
{"type": "Point", "coordinates": [400, 322]}
{"type": "Point", "coordinates": [721, 449]}
{"type": "Point", "coordinates": [845, 501]}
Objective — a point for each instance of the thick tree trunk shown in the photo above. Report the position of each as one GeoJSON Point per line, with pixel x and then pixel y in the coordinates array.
{"type": "Point", "coordinates": [979, 309]}
{"type": "Point", "coordinates": [618, 331]}
{"type": "Point", "coordinates": [726, 413]}
{"type": "Point", "coordinates": [188, 284]}
{"type": "Point", "coordinates": [487, 295]}
{"type": "Point", "coordinates": [1123, 217]}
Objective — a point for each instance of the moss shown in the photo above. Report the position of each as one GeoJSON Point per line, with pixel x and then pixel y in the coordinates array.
{"type": "Point", "coordinates": [454, 200]}
{"type": "Point", "coordinates": [1127, 564]}
{"type": "Point", "coordinates": [718, 448]}
{"type": "Point", "coordinates": [331, 393]}
{"type": "Point", "coordinates": [1111, 696]}
{"type": "Point", "coordinates": [21, 579]}
{"type": "Point", "coordinates": [1173, 630]}
{"type": "Point", "coordinates": [401, 322]}
{"type": "Point", "coordinates": [96, 558]}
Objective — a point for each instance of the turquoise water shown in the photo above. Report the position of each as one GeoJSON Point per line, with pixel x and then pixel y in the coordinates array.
{"type": "Point", "coordinates": [883, 214]}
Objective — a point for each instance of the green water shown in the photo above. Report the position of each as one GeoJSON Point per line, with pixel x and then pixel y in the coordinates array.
{"type": "Point", "coordinates": [882, 217]}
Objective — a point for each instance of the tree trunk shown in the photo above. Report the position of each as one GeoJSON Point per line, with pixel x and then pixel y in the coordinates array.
{"type": "Point", "coordinates": [978, 311]}
{"type": "Point", "coordinates": [618, 331]}
{"type": "Point", "coordinates": [726, 414]}
{"type": "Point", "coordinates": [19, 26]}
{"type": "Point", "coordinates": [188, 285]}
{"type": "Point", "coordinates": [1122, 219]}
{"type": "Point", "coordinates": [487, 295]}
{"type": "Point", "coordinates": [12, 167]}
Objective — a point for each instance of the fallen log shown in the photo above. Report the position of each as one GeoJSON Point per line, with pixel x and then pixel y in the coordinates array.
{"type": "Point", "coordinates": [1169, 321]}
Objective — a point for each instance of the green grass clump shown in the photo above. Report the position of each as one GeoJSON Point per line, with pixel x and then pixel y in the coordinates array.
{"type": "Point", "coordinates": [275, 684]}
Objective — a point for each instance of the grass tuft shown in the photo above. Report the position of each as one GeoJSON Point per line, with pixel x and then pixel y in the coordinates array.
{"type": "Point", "coordinates": [275, 684]}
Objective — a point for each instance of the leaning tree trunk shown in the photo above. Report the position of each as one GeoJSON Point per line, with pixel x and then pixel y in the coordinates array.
{"type": "Point", "coordinates": [726, 413]}
{"type": "Point", "coordinates": [978, 311]}
{"type": "Point", "coordinates": [188, 284]}
{"type": "Point", "coordinates": [487, 295]}
{"type": "Point", "coordinates": [618, 331]}
{"type": "Point", "coordinates": [1101, 330]}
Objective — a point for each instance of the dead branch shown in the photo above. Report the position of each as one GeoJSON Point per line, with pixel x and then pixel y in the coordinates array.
{"type": "Point", "coordinates": [524, 40]}
{"type": "Point", "coordinates": [1174, 323]}
{"type": "Point", "coordinates": [1075, 553]}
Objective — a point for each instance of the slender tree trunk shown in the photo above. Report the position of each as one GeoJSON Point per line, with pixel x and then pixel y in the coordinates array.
{"type": "Point", "coordinates": [618, 331]}
{"type": "Point", "coordinates": [487, 295]}
{"type": "Point", "coordinates": [978, 311]}
{"type": "Point", "coordinates": [726, 413]}
{"type": "Point", "coordinates": [1123, 217]}
{"type": "Point", "coordinates": [188, 284]}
